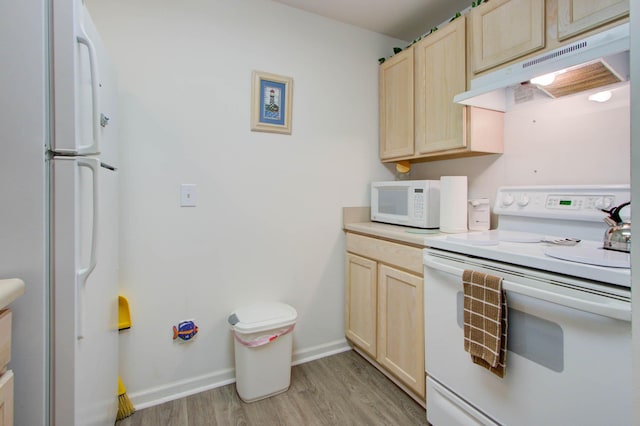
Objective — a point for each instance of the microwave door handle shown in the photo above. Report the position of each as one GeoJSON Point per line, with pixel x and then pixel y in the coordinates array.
{"type": "Point", "coordinates": [611, 309]}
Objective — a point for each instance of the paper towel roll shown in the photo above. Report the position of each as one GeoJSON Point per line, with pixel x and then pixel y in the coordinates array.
{"type": "Point", "coordinates": [453, 204]}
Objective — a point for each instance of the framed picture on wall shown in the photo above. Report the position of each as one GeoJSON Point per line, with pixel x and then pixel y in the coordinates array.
{"type": "Point", "coordinates": [271, 103]}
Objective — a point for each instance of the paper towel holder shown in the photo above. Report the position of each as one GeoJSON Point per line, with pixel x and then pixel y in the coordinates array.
{"type": "Point", "coordinates": [453, 204]}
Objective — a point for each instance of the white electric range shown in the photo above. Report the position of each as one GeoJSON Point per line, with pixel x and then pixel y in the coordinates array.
{"type": "Point", "coordinates": [569, 330]}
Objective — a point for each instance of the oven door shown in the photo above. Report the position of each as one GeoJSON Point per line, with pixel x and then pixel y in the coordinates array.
{"type": "Point", "coordinates": [569, 350]}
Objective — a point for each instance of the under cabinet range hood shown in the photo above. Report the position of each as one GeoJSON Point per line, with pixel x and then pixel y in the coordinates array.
{"type": "Point", "coordinates": [595, 61]}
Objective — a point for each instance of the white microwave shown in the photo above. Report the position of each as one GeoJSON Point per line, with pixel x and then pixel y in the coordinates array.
{"type": "Point", "coordinates": [410, 203]}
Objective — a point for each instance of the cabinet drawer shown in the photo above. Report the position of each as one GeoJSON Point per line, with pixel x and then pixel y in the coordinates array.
{"type": "Point", "coordinates": [399, 255]}
{"type": "Point", "coordinates": [5, 338]}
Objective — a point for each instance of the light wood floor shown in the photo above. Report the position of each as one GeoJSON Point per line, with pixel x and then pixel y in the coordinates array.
{"type": "Point", "coordinates": [342, 389]}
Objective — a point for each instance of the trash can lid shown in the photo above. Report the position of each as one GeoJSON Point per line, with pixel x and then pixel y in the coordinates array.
{"type": "Point", "coordinates": [262, 316]}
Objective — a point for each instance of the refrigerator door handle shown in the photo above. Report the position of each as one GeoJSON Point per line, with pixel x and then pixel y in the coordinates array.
{"type": "Point", "coordinates": [94, 146]}
{"type": "Point", "coordinates": [83, 273]}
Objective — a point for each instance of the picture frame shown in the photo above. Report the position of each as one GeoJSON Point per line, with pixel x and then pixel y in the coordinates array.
{"type": "Point", "coordinates": [271, 103]}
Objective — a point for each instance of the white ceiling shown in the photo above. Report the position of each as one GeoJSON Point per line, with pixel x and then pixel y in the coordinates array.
{"type": "Point", "coordinates": [403, 19]}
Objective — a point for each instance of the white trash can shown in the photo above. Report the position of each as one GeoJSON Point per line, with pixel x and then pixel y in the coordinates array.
{"type": "Point", "coordinates": [263, 343]}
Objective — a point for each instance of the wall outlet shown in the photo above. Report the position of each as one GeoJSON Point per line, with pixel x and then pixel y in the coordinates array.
{"type": "Point", "coordinates": [188, 195]}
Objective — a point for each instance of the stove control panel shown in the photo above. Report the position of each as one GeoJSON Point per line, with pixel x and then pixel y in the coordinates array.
{"type": "Point", "coordinates": [560, 202]}
{"type": "Point", "coordinates": [574, 202]}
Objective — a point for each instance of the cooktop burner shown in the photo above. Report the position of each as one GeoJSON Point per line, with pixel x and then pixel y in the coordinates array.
{"type": "Point", "coordinates": [591, 256]}
{"type": "Point", "coordinates": [493, 237]}
{"type": "Point", "coordinates": [532, 218]}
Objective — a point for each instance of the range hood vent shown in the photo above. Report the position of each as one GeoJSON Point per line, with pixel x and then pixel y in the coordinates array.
{"type": "Point", "coordinates": [596, 61]}
{"type": "Point", "coordinates": [581, 78]}
{"type": "Point", "coordinates": [555, 54]}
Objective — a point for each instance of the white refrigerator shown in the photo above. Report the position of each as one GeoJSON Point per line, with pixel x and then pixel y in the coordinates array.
{"type": "Point", "coordinates": [59, 215]}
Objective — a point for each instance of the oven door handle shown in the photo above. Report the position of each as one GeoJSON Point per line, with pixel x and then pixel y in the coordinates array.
{"type": "Point", "coordinates": [607, 307]}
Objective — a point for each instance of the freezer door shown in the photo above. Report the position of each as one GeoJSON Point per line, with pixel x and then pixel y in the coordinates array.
{"type": "Point", "coordinates": [84, 291]}
{"type": "Point", "coordinates": [84, 85]}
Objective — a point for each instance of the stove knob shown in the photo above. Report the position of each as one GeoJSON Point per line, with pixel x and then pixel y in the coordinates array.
{"type": "Point", "coordinates": [603, 203]}
{"type": "Point", "coordinates": [507, 200]}
{"type": "Point", "coordinates": [523, 201]}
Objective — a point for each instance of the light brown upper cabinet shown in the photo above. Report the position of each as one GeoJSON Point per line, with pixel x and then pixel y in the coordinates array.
{"type": "Point", "coordinates": [422, 99]}
{"type": "Point", "coordinates": [396, 105]}
{"type": "Point", "coordinates": [578, 16]}
{"type": "Point", "coordinates": [503, 30]}
{"type": "Point", "coordinates": [440, 75]}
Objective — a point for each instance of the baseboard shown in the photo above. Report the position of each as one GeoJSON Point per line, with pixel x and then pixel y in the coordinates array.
{"type": "Point", "coordinates": [176, 390]}
{"type": "Point", "coordinates": [320, 351]}
{"type": "Point", "coordinates": [169, 392]}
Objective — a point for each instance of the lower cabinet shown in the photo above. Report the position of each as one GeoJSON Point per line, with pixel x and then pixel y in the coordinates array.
{"type": "Point", "coordinates": [6, 376]}
{"type": "Point", "coordinates": [384, 312]}
{"type": "Point", "coordinates": [6, 398]}
{"type": "Point", "coordinates": [401, 326]}
{"type": "Point", "coordinates": [361, 303]}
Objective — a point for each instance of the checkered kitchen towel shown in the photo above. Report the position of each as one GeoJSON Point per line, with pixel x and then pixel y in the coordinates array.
{"type": "Point", "coordinates": [485, 320]}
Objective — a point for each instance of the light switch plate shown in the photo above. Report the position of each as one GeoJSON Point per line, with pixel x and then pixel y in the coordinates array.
{"type": "Point", "coordinates": [188, 195]}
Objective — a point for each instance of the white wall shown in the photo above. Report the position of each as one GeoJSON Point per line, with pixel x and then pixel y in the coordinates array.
{"type": "Point", "coordinates": [267, 225]}
{"type": "Point", "coordinates": [566, 141]}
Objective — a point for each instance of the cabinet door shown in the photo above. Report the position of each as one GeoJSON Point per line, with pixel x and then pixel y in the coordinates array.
{"type": "Point", "coordinates": [5, 338]}
{"type": "Point", "coordinates": [6, 398]}
{"type": "Point", "coordinates": [361, 301]}
{"type": "Point", "coordinates": [440, 74]}
{"type": "Point", "coordinates": [577, 16]}
{"type": "Point", "coordinates": [396, 106]}
{"type": "Point", "coordinates": [401, 326]}
{"type": "Point", "coordinates": [503, 30]}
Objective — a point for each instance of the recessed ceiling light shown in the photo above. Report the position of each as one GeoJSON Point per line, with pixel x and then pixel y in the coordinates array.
{"type": "Point", "coordinates": [603, 96]}
{"type": "Point", "coordinates": [544, 80]}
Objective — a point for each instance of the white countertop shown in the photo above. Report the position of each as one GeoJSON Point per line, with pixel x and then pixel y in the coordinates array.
{"type": "Point", "coordinates": [356, 219]}
{"type": "Point", "coordinates": [10, 290]}
{"type": "Point", "coordinates": [404, 234]}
